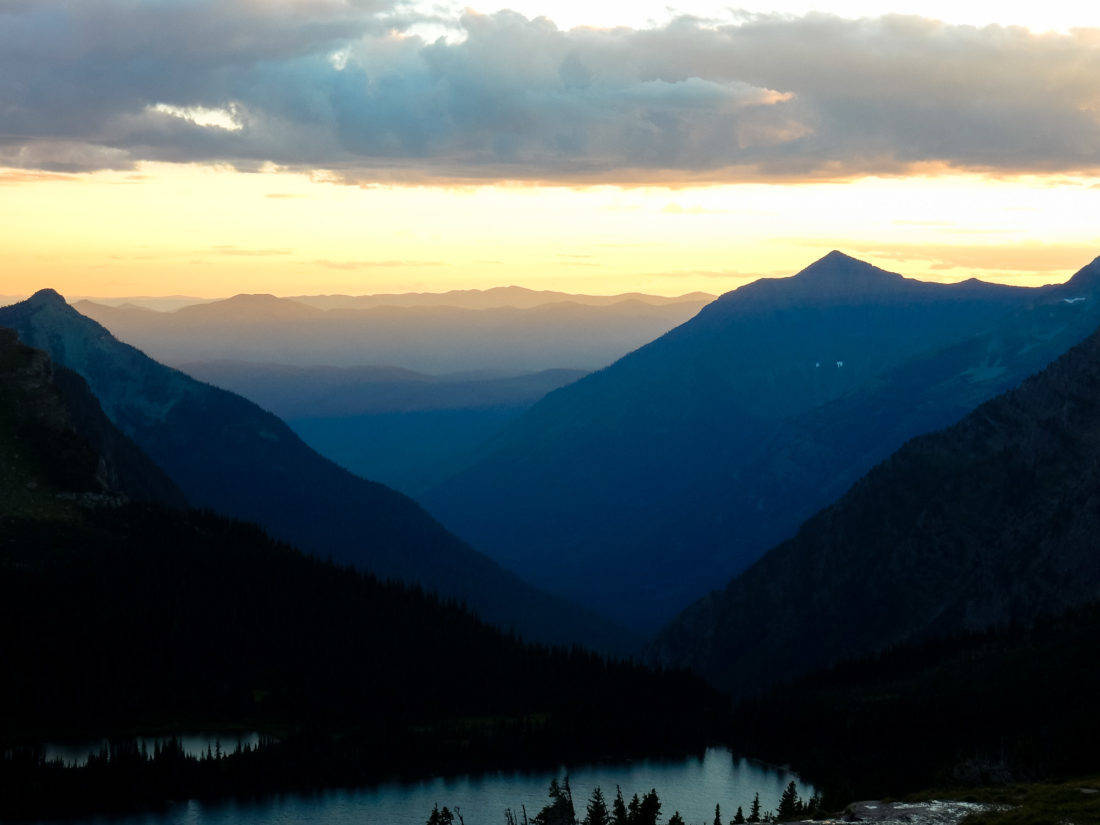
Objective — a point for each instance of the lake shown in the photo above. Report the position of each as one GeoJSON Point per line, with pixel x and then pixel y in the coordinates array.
{"type": "Point", "coordinates": [691, 785]}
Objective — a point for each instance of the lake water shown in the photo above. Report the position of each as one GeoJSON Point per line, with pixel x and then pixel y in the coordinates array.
{"type": "Point", "coordinates": [691, 785]}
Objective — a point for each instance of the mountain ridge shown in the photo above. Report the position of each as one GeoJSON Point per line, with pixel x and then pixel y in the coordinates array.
{"type": "Point", "coordinates": [627, 472]}
{"type": "Point", "coordinates": [227, 454]}
{"type": "Point", "coordinates": [986, 523]}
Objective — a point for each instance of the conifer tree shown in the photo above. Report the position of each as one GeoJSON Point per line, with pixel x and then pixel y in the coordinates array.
{"type": "Point", "coordinates": [676, 819]}
{"type": "Point", "coordinates": [790, 806]}
{"type": "Point", "coordinates": [597, 813]}
{"type": "Point", "coordinates": [754, 810]}
{"type": "Point", "coordinates": [739, 817]}
{"type": "Point", "coordinates": [813, 807]}
{"type": "Point", "coordinates": [717, 815]}
{"type": "Point", "coordinates": [559, 810]}
{"type": "Point", "coordinates": [649, 811]}
{"type": "Point", "coordinates": [619, 814]}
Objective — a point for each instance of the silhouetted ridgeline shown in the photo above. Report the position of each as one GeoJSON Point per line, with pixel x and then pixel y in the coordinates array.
{"type": "Point", "coordinates": [227, 454]}
{"type": "Point", "coordinates": [683, 462]}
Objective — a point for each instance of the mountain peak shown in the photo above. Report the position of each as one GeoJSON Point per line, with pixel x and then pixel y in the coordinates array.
{"type": "Point", "coordinates": [837, 272]}
{"type": "Point", "coordinates": [47, 297]}
{"type": "Point", "coordinates": [836, 262]}
{"type": "Point", "coordinates": [254, 298]}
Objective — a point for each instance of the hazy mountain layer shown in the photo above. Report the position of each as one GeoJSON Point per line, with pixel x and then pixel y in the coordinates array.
{"type": "Point", "coordinates": [406, 429]}
{"type": "Point", "coordinates": [516, 297]}
{"type": "Point", "coordinates": [227, 454]}
{"type": "Point", "coordinates": [989, 522]}
{"type": "Point", "coordinates": [680, 464]}
{"type": "Point", "coordinates": [325, 391]}
{"type": "Point", "coordinates": [502, 296]}
{"type": "Point", "coordinates": [430, 338]}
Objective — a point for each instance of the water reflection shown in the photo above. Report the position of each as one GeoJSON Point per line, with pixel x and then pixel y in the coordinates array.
{"type": "Point", "coordinates": [691, 785]}
{"type": "Point", "coordinates": [193, 744]}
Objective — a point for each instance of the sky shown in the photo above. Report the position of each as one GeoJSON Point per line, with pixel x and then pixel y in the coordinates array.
{"type": "Point", "coordinates": [210, 147]}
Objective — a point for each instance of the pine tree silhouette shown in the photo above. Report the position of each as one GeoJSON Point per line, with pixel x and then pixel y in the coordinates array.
{"type": "Point", "coordinates": [790, 806]}
{"type": "Point", "coordinates": [597, 813]}
{"type": "Point", "coordinates": [619, 815]}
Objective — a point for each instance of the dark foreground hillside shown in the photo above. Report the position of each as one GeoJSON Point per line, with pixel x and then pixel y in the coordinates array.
{"type": "Point", "coordinates": [119, 616]}
{"type": "Point", "coordinates": [978, 709]}
{"type": "Point", "coordinates": [133, 615]}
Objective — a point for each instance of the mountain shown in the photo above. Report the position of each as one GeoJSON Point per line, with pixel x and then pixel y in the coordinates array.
{"type": "Point", "coordinates": [516, 297]}
{"type": "Point", "coordinates": [638, 487]}
{"type": "Point", "coordinates": [247, 309]}
{"type": "Point", "coordinates": [228, 455]}
{"type": "Point", "coordinates": [991, 522]}
{"type": "Point", "coordinates": [120, 616]}
{"type": "Point", "coordinates": [425, 338]}
{"type": "Point", "coordinates": [55, 439]}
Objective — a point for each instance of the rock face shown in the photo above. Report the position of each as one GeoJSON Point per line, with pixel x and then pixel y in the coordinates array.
{"type": "Point", "coordinates": [230, 456]}
{"type": "Point", "coordinates": [937, 812]}
{"type": "Point", "coordinates": [645, 485]}
{"type": "Point", "coordinates": [989, 522]}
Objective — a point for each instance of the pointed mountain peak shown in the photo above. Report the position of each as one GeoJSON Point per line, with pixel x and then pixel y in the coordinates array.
{"type": "Point", "coordinates": [837, 256]}
{"type": "Point", "coordinates": [836, 263]}
{"type": "Point", "coordinates": [837, 272]}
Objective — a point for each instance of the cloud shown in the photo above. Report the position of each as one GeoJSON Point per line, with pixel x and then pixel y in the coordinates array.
{"type": "Point", "coordinates": [344, 87]}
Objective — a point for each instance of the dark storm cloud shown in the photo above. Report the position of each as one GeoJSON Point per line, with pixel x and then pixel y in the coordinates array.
{"type": "Point", "coordinates": [339, 86]}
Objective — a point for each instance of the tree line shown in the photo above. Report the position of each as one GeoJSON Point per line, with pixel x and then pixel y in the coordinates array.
{"type": "Point", "coordinates": [641, 810]}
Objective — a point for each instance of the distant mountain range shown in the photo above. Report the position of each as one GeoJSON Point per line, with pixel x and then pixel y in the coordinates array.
{"type": "Point", "coordinates": [516, 297]}
{"type": "Point", "coordinates": [990, 523]}
{"type": "Point", "coordinates": [425, 337]}
{"type": "Point", "coordinates": [228, 455]}
{"type": "Point", "coordinates": [638, 487]}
